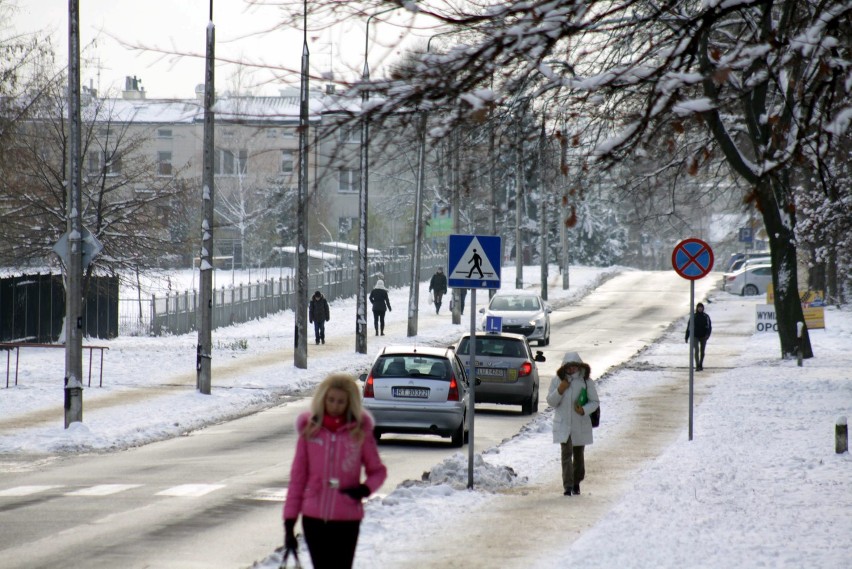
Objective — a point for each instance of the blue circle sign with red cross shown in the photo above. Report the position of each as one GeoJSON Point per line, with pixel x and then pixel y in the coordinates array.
{"type": "Point", "coordinates": [692, 259]}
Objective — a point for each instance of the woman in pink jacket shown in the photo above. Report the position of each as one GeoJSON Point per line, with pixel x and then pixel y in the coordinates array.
{"type": "Point", "coordinates": [335, 441]}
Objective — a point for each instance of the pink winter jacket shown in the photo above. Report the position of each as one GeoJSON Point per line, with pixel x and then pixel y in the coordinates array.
{"type": "Point", "coordinates": [329, 456]}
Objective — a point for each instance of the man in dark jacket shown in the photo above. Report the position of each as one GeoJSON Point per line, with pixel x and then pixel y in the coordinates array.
{"type": "Point", "coordinates": [438, 287]}
{"type": "Point", "coordinates": [319, 314]}
{"type": "Point", "coordinates": [381, 303]}
{"type": "Point", "coordinates": [703, 327]}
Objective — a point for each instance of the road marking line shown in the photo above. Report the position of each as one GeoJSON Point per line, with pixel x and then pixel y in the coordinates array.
{"type": "Point", "coordinates": [102, 490]}
{"type": "Point", "coordinates": [25, 490]}
{"type": "Point", "coordinates": [190, 490]}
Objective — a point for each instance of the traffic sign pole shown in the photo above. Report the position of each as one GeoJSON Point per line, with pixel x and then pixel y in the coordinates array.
{"type": "Point", "coordinates": [473, 261]}
{"type": "Point", "coordinates": [692, 259]}
{"type": "Point", "coordinates": [691, 351]}
{"type": "Point", "coordinates": [472, 395]}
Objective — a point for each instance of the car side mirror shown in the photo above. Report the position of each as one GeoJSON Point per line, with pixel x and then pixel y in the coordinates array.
{"type": "Point", "coordinates": [482, 311]}
{"type": "Point", "coordinates": [549, 310]}
{"type": "Point", "coordinates": [478, 381]}
{"type": "Point", "coordinates": [362, 377]}
{"type": "Point", "coordinates": [539, 356]}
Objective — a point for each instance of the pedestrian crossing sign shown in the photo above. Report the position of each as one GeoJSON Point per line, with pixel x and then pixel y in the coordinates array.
{"type": "Point", "coordinates": [474, 261]}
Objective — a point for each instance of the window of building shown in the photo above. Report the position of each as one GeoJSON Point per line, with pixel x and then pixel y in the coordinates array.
{"type": "Point", "coordinates": [349, 180]}
{"type": "Point", "coordinates": [346, 228]}
{"type": "Point", "coordinates": [93, 163]}
{"type": "Point", "coordinates": [97, 162]}
{"type": "Point", "coordinates": [350, 133]}
{"type": "Point", "coordinates": [288, 133]}
{"type": "Point", "coordinates": [288, 160]}
{"type": "Point", "coordinates": [228, 163]}
{"type": "Point", "coordinates": [271, 132]}
{"type": "Point", "coordinates": [164, 163]}
{"type": "Point", "coordinates": [164, 133]}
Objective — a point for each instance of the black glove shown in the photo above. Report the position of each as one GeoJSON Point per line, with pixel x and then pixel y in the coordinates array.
{"type": "Point", "coordinates": [358, 493]}
{"type": "Point", "coordinates": [290, 535]}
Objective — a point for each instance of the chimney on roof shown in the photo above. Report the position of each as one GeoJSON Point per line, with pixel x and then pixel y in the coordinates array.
{"type": "Point", "coordinates": [133, 88]}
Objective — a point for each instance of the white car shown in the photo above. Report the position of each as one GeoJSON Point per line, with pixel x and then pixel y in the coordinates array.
{"type": "Point", "coordinates": [523, 312]}
{"type": "Point", "coordinates": [749, 281]}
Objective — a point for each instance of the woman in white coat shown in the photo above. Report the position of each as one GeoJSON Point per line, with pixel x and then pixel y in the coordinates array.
{"type": "Point", "coordinates": [572, 427]}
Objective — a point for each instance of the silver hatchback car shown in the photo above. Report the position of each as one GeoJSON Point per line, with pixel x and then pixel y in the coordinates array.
{"type": "Point", "coordinates": [418, 390]}
{"type": "Point", "coordinates": [506, 370]}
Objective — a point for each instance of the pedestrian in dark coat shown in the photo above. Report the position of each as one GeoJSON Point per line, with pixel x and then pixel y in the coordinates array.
{"type": "Point", "coordinates": [703, 327]}
{"type": "Point", "coordinates": [319, 314]}
{"type": "Point", "coordinates": [381, 303]}
{"type": "Point", "coordinates": [438, 288]}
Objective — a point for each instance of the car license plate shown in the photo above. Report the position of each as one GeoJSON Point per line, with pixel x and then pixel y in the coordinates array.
{"type": "Point", "coordinates": [411, 392]}
{"type": "Point", "coordinates": [491, 372]}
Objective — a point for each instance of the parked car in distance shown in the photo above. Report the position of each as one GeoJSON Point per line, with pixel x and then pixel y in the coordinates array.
{"type": "Point", "coordinates": [418, 390]}
{"type": "Point", "coordinates": [741, 258]}
{"type": "Point", "coordinates": [506, 370]}
{"type": "Point", "coordinates": [523, 312]}
{"type": "Point", "coordinates": [749, 281]}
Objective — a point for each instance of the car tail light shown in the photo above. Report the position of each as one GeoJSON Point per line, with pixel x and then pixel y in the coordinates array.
{"type": "Point", "coordinates": [732, 279]}
{"type": "Point", "coordinates": [526, 369]}
{"type": "Point", "coordinates": [453, 394]}
{"type": "Point", "coordinates": [368, 387]}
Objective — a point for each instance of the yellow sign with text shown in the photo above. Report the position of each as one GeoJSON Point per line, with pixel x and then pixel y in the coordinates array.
{"type": "Point", "coordinates": [813, 302]}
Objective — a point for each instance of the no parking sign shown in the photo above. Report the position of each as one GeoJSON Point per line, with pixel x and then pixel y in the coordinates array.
{"type": "Point", "coordinates": [692, 259]}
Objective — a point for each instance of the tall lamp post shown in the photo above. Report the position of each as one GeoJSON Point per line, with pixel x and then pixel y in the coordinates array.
{"type": "Point", "coordinates": [300, 339]}
{"type": "Point", "coordinates": [204, 349]}
{"type": "Point", "coordinates": [363, 192]}
{"type": "Point", "coordinates": [74, 224]}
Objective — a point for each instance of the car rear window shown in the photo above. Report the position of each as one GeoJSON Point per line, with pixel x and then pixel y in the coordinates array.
{"type": "Point", "coordinates": [519, 303]}
{"type": "Point", "coordinates": [412, 366]}
{"type": "Point", "coordinates": [507, 347]}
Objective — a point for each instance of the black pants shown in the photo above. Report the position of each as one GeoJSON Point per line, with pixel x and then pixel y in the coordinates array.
{"type": "Point", "coordinates": [379, 321]}
{"type": "Point", "coordinates": [698, 344]}
{"type": "Point", "coordinates": [319, 331]}
{"type": "Point", "coordinates": [332, 544]}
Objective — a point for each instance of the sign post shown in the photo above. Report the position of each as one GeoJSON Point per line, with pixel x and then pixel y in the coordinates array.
{"type": "Point", "coordinates": [692, 259]}
{"type": "Point", "coordinates": [474, 263]}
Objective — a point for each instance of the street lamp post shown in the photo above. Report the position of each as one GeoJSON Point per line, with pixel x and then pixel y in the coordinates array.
{"type": "Point", "coordinates": [73, 294]}
{"type": "Point", "coordinates": [300, 341]}
{"type": "Point", "coordinates": [363, 192]}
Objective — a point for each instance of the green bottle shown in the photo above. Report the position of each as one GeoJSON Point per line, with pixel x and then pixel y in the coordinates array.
{"type": "Point", "coordinates": [583, 398]}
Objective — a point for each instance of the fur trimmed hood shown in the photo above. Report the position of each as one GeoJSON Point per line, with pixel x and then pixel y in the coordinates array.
{"type": "Point", "coordinates": [587, 370]}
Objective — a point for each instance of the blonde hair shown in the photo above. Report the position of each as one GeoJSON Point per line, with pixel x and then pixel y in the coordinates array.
{"type": "Point", "coordinates": [353, 413]}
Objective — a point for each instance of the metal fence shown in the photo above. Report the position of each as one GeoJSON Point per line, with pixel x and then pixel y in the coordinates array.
{"type": "Point", "coordinates": [32, 308]}
{"type": "Point", "coordinates": [178, 313]}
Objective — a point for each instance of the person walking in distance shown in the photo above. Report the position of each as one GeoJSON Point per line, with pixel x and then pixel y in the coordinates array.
{"type": "Point", "coordinates": [319, 314]}
{"type": "Point", "coordinates": [573, 397]}
{"type": "Point", "coordinates": [335, 443]}
{"type": "Point", "coordinates": [702, 327]}
{"type": "Point", "coordinates": [381, 303]}
{"type": "Point", "coordinates": [438, 287]}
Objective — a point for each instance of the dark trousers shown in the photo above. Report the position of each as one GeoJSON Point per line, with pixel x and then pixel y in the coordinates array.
{"type": "Point", "coordinates": [332, 544]}
{"type": "Point", "coordinates": [698, 345]}
{"type": "Point", "coordinates": [319, 331]}
{"type": "Point", "coordinates": [438, 296]}
{"type": "Point", "coordinates": [573, 465]}
{"type": "Point", "coordinates": [379, 321]}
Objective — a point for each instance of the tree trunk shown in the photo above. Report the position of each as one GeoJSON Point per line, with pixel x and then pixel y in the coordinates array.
{"type": "Point", "coordinates": [780, 226]}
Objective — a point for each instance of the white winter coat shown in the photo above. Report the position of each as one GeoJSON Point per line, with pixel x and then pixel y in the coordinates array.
{"type": "Point", "coordinates": [566, 421]}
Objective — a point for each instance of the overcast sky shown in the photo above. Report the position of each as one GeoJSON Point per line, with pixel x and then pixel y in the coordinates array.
{"type": "Point", "coordinates": [179, 26]}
